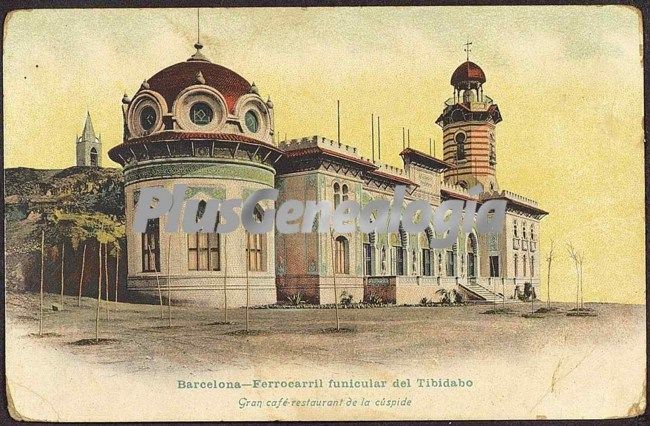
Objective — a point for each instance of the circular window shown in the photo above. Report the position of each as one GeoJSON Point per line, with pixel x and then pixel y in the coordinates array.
{"type": "Point", "coordinates": [148, 118]}
{"type": "Point", "coordinates": [201, 114]}
{"type": "Point", "coordinates": [252, 122]}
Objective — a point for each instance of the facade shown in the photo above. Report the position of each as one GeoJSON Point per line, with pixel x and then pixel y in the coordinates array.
{"type": "Point", "coordinates": [203, 125]}
{"type": "Point", "coordinates": [89, 146]}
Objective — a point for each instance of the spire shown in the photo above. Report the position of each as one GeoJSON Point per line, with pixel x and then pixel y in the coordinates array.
{"type": "Point", "coordinates": [198, 56]}
{"type": "Point", "coordinates": [467, 48]}
{"type": "Point", "coordinates": [88, 133]}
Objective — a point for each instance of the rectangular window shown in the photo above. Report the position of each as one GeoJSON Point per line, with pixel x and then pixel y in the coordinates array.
{"type": "Point", "coordinates": [368, 259]}
{"type": "Point", "coordinates": [151, 247]}
{"type": "Point", "coordinates": [451, 263]}
{"type": "Point", "coordinates": [255, 252]}
{"type": "Point", "coordinates": [426, 262]}
{"type": "Point", "coordinates": [342, 265]}
{"type": "Point", "coordinates": [203, 252]}
{"type": "Point", "coordinates": [398, 265]}
{"type": "Point", "coordinates": [494, 266]}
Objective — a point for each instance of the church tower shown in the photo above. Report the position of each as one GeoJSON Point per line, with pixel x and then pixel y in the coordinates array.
{"type": "Point", "coordinates": [468, 124]}
{"type": "Point", "coordinates": [89, 146]}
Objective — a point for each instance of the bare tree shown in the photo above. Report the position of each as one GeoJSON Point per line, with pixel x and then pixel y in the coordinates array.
{"type": "Point", "coordinates": [40, 312]}
{"type": "Point", "coordinates": [99, 293]}
{"type": "Point", "coordinates": [336, 300]}
{"type": "Point", "coordinates": [577, 261]}
{"type": "Point", "coordinates": [155, 268]}
{"type": "Point", "coordinates": [549, 259]}
{"type": "Point", "coordinates": [169, 288]}
{"type": "Point", "coordinates": [248, 265]}
{"type": "Point", "coordinates": [117, 267]}
{"type": "Point", "coordinates": [81, 276]}
{"type": "Point", "coordinates": [62, 270]}
{"type": "Point", "coordinates": [225, 280]}
{"type": "Point", "coordinates": [108, 308]}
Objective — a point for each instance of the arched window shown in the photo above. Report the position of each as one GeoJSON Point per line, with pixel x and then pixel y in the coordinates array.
{"type": "Point", "coordinates": [369, 254]}
{"type": "Point", "coordinates": [460, 139]}
{"type": "Point", "coordinates": [256, 245]}
{"type": "Point", "coordinates": [493, 151]}
{"type": "Point", "coordinates": [532, 266]}
{"type": "Point", "coordinates": [523, 228]}
{"type": "Point", "coordinates": [344, 189]}
{"type": "Point", "coordinates": [472, 250]}
{"type": "Point", "coordinates": [516, 266]}
{"type": "Point", "coordinates": [525, 265]}
{"type": "Point", "coordinates": [341, 255]}
{"type": "Point", "coordinates": [427, 259]}
{"type": "Point", "coordinates": [451, 260]}
{"type": "Point", "coordinates": [515, 228]}
{"type": "Point", "coordinates": [337, 194]}
{"type": "Point", "coordinates": [151, 246]}
{"type": "Point", "coordinates": [532, 232]}
{"type": "Point", "coordinates": [94, 158]}
{"type": "Point", "coordinates": [203, 248]}
{"type": "Point", "coordinates": [399, 250]}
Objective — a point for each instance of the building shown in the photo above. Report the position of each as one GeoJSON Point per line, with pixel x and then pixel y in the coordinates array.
{"type": "Point", "coordinates": [89, 146]}
{"type": "Point", "coordinates": [203, 125]}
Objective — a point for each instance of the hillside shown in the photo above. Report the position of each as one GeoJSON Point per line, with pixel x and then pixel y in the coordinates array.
{"type": "Point", "coordinates": [31, 198]}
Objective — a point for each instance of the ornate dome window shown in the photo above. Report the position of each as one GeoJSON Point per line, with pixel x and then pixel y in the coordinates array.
{"type": "Point", "coordinates": [201, 114]}
{"type": "Point", "coordinates": [252, 121]}
{"type": "Point", "coordinates": [146, 113]}
{"type": "Point", "coordinates": [148, 118]}
{"type": "Point", "coordinates": [200, 107]}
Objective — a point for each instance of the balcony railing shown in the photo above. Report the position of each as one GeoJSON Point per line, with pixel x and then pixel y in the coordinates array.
{"type": "Point", "coordinates": [487, 101]}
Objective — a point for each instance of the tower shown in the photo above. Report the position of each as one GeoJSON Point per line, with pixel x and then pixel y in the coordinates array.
{"type": "Point", "coordinates": [89, 146]}
{"type": "Point", "coordinates": [468, 124]}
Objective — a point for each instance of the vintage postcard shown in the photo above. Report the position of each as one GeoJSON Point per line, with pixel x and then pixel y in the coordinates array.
{"type": "Point", "coordinates": [324, 213]}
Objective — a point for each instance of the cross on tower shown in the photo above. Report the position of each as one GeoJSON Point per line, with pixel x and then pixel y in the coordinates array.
{"type": "Point", "coordinates": [467, 48]}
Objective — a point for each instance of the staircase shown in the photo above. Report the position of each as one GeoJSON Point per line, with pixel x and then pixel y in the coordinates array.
{"type": "Point", "coordinates": [481, 292]}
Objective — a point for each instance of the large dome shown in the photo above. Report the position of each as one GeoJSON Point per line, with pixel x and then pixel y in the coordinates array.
{"type": "Point", "coordinates": [171, 81]}
{"type": "Point", "coordinates": [467, 72]}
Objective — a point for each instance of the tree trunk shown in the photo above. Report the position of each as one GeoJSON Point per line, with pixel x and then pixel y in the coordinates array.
{"type": "Point", "coordinates": [81, 277]}
{"type": "Point", "coordinates": [548, 285]}
{"type": "Point", "coordinates": [108, 308]}
{"type": "Point", "coordinates": [225, 280]}
{"type": "Point", "coordinates": [99, 293]}
{"type": "Point", "coordinates": [336, 300]}
{"type": "Point", "coordinates": [169, 288]}
{"type": "Point", "coordinates": [62, 271]}
{"type": "Point", "coordinates": [117, 273]}
{"type": "Point", "coordinates": [248, 264]}
{"type": "Point", "coordinates": [155, 268]}
{"type": "Point", "coordinates": [582, 304]}
{"type": "Point", "coordinates": [40, 312]}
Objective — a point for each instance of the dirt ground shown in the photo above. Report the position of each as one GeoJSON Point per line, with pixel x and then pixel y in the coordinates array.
{"type": "Point", "coordinates": [139, 340]}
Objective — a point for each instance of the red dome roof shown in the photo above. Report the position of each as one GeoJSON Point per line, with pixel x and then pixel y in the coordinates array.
{"type": "Point", "coordinates": [172, 80]}
{"type": "Point", "coordinates": [467, 71]}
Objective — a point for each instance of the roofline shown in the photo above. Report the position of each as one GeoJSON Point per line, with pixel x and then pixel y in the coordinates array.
{"type": "Point", "coordinates": [439, 164]}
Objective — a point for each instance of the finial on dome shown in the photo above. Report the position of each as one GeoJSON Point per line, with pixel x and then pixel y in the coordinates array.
{"type": "Point", "coordinates": [144, 85]}
{"type": "Point", "coordinates": [200, 78]}
{"type": "Point", "coordinates": [126, 99]}
{"type": "Point", "coordinates": [254, 89]}
{"type": "Point", "coordinates": [198, 56]}
{"type": "Point", "coordinates": [269, 103]}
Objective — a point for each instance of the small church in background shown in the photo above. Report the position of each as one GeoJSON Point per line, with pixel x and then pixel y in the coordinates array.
{"type": "Point", "coordinates": [89, 146]}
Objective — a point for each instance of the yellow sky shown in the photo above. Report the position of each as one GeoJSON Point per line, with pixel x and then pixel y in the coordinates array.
{"type": "Point", "coordinates": [568, 81]}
